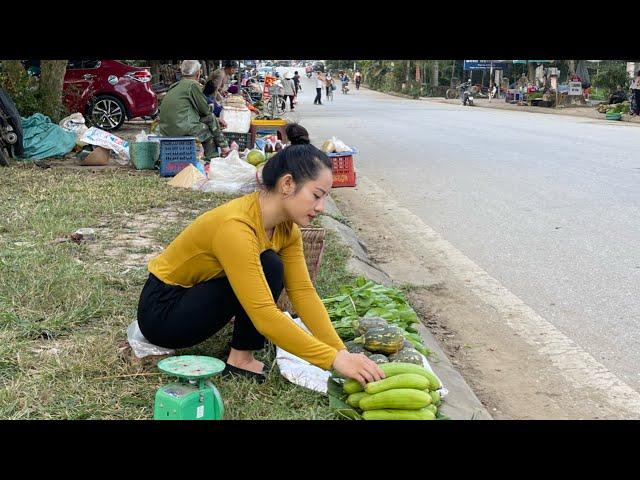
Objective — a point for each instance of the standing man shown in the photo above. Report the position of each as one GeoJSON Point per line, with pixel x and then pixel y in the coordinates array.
{"type": "Point", "coordinates": [320, 83]}
{"type": "Point", "coordinates": [185, 112]}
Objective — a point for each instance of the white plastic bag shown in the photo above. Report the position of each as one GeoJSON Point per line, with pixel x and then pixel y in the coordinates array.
{"type": "Point", "coordinates": [75, 123]}
{"type": "Point", "coordinates": [95, 136]}
{"type": "Point", "coordinates": [141, 346]}
{"type": "Point", "coordinates": [340, 145]}
{"type": "Point", "coordinates": [142, 137]}
{"type": "Point", "coordinates": [229, 175]}
{"type": "Point", "coordinates": [238, 119]}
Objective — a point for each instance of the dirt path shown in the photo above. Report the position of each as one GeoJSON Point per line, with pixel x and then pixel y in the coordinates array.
{"type": "Point", "coordinates": [517, 363]}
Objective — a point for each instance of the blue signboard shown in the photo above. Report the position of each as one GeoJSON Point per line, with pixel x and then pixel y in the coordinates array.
{"type": "Point", "coordinates": [484, 64]}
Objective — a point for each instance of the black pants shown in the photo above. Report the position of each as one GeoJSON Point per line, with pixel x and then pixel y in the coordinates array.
{"type": "Point", "coordinates": [176, 317]}
{"type": "Point", "coordinates": [318, 96]}
{"type": "Point", "coordinates": [290, 100]}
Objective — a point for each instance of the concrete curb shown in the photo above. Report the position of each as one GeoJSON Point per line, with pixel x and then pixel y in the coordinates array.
{"type": "Point", "coordinates": [461, 403]}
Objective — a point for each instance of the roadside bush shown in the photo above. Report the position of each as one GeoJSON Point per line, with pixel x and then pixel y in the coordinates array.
{"type": "Point", "coordinates": [610, 76]}
{"type": "Point", "coordinates": [23, 90]}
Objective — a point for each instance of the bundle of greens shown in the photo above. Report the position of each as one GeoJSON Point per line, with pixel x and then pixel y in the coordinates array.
{"type": "Point", "coordinates": [369, 299]}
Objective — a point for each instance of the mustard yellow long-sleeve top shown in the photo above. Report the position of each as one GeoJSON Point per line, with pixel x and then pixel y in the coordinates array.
{"type": "Point", "coordinates": [228, 241]}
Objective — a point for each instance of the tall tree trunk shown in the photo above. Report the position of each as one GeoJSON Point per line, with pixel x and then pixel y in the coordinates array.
{"type": "Point", "coordinates": [572, 66]}
{"type": "Point", "coordinates": [435, 74]}
{"type": "Point", "coordinates": [51, 81]}
{"type": "Point", "coordinates": [532, 72]}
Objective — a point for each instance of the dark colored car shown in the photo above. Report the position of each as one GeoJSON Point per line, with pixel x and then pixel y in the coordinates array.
{"type": "Point", "coordinates": [106, 91]}
{"type": "Point", "coordinates": [318, 67]}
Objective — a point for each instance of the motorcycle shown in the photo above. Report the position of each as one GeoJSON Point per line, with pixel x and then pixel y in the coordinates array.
{"type": "Point", "coordinates": [308, 71]}
{"type": "Point", "coordinates": [10, 129]}
{"type": "Point", "coordinates": [467, 99]}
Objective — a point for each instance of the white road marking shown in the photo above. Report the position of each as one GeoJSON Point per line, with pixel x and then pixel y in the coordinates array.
{"type": "Point", "coordinates": [578, 367]}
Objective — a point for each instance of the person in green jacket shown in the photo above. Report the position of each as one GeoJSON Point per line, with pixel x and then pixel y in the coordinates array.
{"type": "Point", "coordinates": [185, 112]}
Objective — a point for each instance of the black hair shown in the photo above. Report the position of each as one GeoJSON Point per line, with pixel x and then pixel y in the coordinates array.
{"type": "Point", "coordinates": [230, 64]}
{"type": "Point", "coordinates": [300, 159]}
{"type": "Point", "coordinates": [296, 72]}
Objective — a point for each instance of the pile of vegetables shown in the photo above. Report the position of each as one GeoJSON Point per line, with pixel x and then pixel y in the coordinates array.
{"type": "Point", "coordinates": [367, 299]}
{"type": "Point", "coordinates": [623, 107]}
{"type": "Point", "coordinates": [408, 392]}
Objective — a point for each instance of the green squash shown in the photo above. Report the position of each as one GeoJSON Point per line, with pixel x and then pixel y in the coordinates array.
{"type": "Point", "coordinates": [379, 358]}
{"type": "Point", "coordinates": [385, 340]}
{"type": "Point", "coordinates": [353, 347]}
{"type": "Point", "coordinates": [365, 323]}
{"type": "Point", "coordinates": [407, 355]}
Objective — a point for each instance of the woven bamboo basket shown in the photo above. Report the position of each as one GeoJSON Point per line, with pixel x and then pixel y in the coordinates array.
{"type": "Point", "coordinates": [313, 246]}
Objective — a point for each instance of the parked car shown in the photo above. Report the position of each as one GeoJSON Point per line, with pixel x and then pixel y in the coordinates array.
{"type": "Point", "coordinates": [106, 92]}
{"type": "Point", "coordinates": [318, 67]}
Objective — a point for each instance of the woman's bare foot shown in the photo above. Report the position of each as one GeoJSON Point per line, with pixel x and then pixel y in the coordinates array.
{"type": "Point", "coordinates": [244, 359]}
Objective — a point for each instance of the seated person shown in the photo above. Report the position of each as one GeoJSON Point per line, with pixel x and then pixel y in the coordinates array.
{"type": "Point", "coordinates": [185, 112]}
{"type": "Point", "coordinates": [618, 96]}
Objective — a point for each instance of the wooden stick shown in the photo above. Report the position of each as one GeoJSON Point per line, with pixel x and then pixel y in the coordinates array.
{"type": "Point", "coordinates": [130, 375]}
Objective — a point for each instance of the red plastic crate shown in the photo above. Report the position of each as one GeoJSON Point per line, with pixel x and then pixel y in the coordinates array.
{"type": "Point", "coordinates": [344, 174]}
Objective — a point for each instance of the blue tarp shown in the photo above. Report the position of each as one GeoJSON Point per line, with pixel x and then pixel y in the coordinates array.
{"type": "Point", "coordinates": [44, 139]}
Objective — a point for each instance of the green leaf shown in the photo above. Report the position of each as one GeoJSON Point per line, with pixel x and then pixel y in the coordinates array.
{"type": "Point", "coordinates": [337, 398]}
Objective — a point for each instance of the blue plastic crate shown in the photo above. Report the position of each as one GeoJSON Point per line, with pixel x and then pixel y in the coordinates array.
{"type": "Point", "coordinates": [175, 154]}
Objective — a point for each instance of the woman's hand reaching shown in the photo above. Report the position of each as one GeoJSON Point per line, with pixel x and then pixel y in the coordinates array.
{"type": "Point", "coordinates": [357, 366]}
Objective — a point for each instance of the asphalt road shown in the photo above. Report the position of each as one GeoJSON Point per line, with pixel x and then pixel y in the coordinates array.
{"type": "Point", "coordinates": [546, 204]}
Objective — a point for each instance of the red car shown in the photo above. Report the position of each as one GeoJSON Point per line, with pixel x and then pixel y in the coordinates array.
{"type": "Point", "coordinates": [107, 92]}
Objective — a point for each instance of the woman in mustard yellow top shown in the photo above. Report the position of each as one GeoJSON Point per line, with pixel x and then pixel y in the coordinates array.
{"type": "Point", "coordinates": [235, 260]}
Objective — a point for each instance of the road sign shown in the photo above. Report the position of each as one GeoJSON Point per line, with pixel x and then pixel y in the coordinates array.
{"type": "Point", "coordinates": [484, 64]}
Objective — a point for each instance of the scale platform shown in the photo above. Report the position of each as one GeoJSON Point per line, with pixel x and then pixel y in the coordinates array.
{"type": "Point", "coordinates": [191, 367]}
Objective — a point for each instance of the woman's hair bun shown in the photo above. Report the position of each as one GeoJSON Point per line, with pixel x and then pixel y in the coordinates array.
{"type": "Point", "coordinates": [297, 134]}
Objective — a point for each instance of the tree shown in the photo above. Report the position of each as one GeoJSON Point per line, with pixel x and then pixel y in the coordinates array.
{"type": "Point", "coordinates": [50, 90]}
{"type": "Point", "coordinates": [610, 75]}
{"type": "Point", "coordinates": [15, 72]}
{"type": "Point", "coordinates": [435, 73]}
{"type": "Point", "coordinates": [532, 71]}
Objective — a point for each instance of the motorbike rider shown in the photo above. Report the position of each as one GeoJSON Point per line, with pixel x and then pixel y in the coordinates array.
{"type": "Point", "coordinates": [465, 92]}
{"type": "Point", "coordinates": [344, 79]}
{"type": "Point", "coordinates": [358, 79]}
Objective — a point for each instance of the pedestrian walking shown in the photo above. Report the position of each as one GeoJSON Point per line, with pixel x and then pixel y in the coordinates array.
{"type": "Point", "coordinates": [289, 89]}
{"type": "Point", "coordinates": [635, 95]}
{"type": "Point", "coordinates": [320, 82]}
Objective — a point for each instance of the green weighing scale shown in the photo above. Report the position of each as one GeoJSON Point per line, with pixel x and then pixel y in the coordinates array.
{"type": "Point", "coordinates": [192, 397]}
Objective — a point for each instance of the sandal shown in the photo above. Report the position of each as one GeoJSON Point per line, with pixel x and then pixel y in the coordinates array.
{"type": "Point", "coordinates": [230, 370]}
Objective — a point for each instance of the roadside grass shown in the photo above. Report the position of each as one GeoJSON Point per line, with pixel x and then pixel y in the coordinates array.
{"type": "Point", "coordinates": [64, 307]}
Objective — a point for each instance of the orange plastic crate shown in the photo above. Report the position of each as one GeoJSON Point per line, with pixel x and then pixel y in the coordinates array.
{"type": "Point", "coordinates": [344, 174]}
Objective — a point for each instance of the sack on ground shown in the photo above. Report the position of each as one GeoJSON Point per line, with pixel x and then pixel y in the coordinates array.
{"type": "Point", "coordinates": [238, 119]}
{"type": "Point", "coordinates": [101, 138]}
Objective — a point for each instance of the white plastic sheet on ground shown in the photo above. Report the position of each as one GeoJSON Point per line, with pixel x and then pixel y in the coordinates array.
{"type": "Point", "coordinates": [141, 346]}
{"type": "Point", "coordinates": [301, 372]}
